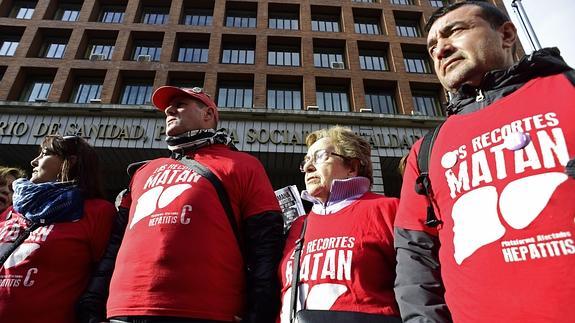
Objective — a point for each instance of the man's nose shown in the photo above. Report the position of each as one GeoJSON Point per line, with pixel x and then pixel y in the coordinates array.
{"type": "Point", "coordinates": [443, 49]}
{"type": "Point", "coordinates": [169, 110]}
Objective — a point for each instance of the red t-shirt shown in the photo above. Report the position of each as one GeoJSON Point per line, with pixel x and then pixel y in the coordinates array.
{"type": "Point", "coordinates": [42, 280]}
{"type": "Point", "coordinates": [179, 256]}
{"type": "Point", "coordinates": [347, 260]}
{"type": "Point", "coordinates": [507, 243]}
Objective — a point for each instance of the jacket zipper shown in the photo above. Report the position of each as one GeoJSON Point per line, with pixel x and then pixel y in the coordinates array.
{"type": "Point", "coordinates": [479, 97]}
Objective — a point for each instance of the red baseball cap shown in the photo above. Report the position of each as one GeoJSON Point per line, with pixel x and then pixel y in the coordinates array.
{"type": "Point", "coordinates": [165, 94]}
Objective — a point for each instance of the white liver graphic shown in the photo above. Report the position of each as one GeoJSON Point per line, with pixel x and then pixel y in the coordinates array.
{"type": "Point", "coordinates": [523, 200]}
{"type": "Point", "coordinates": [146, 204]}
{"type": "Point", "coordinates": [155, 198]}
{"type": "Point", "coordinates": [320, 297]}
{"type": "Point", "coordinates": [475, 222]}
{"type": "Point", "coordinates": [171, 193]}
{"type": "Point", "coordinates": [20, 254]}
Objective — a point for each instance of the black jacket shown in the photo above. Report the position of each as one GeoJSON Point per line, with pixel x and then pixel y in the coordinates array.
{"type": "Point", "coordinates": [263, 246]}
{"type": "Point", "coordinates": [418, 287]}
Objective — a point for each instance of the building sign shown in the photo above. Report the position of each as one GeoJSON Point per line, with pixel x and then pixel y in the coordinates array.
{"type": "Point", "coordinates": [150, 132]}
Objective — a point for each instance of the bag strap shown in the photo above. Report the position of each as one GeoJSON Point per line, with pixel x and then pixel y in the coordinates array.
{"type": "Point", "coordinates": [222, 194]}
{"type": "Point", "coordinates": [18, 242]}
{"type": "Point", "coordinates": [423, 182]}
{"type": "Point", "coordinates": [295, 271]}
{"type": "Point", "coordinates": [570, 76]}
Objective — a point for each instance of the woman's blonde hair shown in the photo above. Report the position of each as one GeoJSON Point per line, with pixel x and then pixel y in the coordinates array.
{"type": "Point", "coordinates": [348, 144]}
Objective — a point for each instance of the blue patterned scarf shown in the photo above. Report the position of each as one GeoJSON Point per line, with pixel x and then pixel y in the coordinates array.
{"type": "Point", "coordinates": [47, 203]}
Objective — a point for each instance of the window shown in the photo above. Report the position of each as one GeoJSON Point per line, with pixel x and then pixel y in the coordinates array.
{"type": "Point", "coordinates": [283, 21]}
{"type": "Point", "coordinates": [22, 10]}
{"type": "Point", "coordinates": [235, 96]}
{"type": "Point", "coordinates": [407, 28]}
{"type": "Point", "coordinates": [240, 19]}
{"type": "Point", "coordinates": [151, 48]}
{"type": "Point", "coordinates": [367, 25]}
{"type": "Point", "coordinates": [283, 56]}
{"type": "Point", "coordinates": [237, 55]}
{"type": "Point", "coordinates": [405, 2]}
{"type": "Point", "coordinates": [187, 83]}
{"type": "Point", "coordinates": [380, 101]}
{"type": "Point", "coordinates": [373, 60]}
{"type": "Point", "coordinates": [198, 17]}
{"type": "Point", "coordinates": [9, 45]}
{"type": "Point", "coordinates": [54, 48]}
{"type": "Point", "coordinates": [325, 23]}
{"type": "Point", "coordinates": [332, 98]}
{"type": "Point", "coordinates": [426, 103]}
{"type": "Point", "coordinates": [193, 52]}
{"type": "Point", "coordinates": [436, 3]}
{"type": "Point", "coordinates": [365, 1]}
{"type": "Point", "coordinates": [135, 92]}
{"type": "Point", "coordinates": [112, 14]}
{"type": "Point", "coordinates": [37, 90]}
{"type": "Point", "coordinates": [87, 90]}
{"type": "Point", "coordinates": [68, 12]}
{"type": "Point", "coordinates": [324, 57]}
{"type": "Point", "coordinates": [102, 47]}
{"type": "Point", "coordinates": [155, 15]}
{"type": "Point", "coordinates": [284, 97]}
{"type": "Point", "coordinates": [417, 63]}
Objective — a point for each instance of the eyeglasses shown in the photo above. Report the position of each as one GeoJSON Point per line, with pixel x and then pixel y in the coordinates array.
{"type": "Point", "coordinates": [318, 157]}
{"type": "Point", "coordinates": [73, 139]}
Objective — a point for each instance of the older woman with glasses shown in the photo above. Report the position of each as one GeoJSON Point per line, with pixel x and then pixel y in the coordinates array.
{"type": "Point", "coordinates": [53, 234]}
{"type": "Point", "coordinates": [340, 256]}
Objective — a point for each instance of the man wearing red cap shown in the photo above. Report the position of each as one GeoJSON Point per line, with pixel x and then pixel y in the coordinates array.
{"type": "Point", "coordinates": [181, 259]}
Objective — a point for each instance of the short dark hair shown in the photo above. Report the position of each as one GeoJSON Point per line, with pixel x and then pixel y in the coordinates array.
{"type": "Point", "coordinates": [85, 170]}
{"type": "Point", "coordinates": [490, 13]}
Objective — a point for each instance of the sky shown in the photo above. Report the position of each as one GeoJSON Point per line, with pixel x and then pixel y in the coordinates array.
{"type": "Point", "coordinates": [553, 22]}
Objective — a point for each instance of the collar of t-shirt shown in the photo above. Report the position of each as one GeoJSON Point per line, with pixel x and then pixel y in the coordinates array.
{"type": "Point", "coordinates": [343, 192]}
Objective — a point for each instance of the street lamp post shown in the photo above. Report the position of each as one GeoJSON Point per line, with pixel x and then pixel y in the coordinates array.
{"type": "Point", "coordinates": [522, 15]}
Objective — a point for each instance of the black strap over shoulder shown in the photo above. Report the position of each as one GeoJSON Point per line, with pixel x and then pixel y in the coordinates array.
{"type": "Point", "coordinates": [133, 167]}
{"type": "Point", "coordinates": [570, 76]}
{"type": "Point", "coordinates": [222, 194]}
{"type": "Point", "coordinates": [295, 270]}
{"type": "Point", "coordinates": [423, 182]}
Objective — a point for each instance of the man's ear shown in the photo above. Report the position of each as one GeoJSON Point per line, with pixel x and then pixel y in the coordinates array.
{"type": "Point", "coordinates": [508, 35]}
{"type": "Point", "coordinates": [209, 115]}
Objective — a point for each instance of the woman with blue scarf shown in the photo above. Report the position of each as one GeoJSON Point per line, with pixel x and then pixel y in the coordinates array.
{"type": "Point", "coordinates": [54, 233]}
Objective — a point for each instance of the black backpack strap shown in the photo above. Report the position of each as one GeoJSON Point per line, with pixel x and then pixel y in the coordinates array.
{"type": "Point", "coordinates": [423, 182]}
{"type": "Point", "coordinates": [133, 167]}
{"type": "Point", "coordinates": [222, 194]}
{"type": "Point", "coordinates": [570, 74]}
{"type": "Point", "coordinates": [295, 271]}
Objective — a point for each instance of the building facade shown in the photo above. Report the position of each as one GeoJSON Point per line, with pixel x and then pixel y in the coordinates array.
{"type": "Point", "coordinates": [277, 70]}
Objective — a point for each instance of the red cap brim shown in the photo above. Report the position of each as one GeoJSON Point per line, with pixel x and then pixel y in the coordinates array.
{"type": "Point", "coordinates": [165, 94]}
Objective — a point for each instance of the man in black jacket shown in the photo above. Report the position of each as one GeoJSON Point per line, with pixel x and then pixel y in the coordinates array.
{"type": "Point", "coordinates": [191, 246]}
{"type": "Point", "coordinates": [498, 246]}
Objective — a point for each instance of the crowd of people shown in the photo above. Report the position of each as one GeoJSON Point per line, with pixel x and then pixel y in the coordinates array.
{"type": "Point", "coordinates": [486, 235]}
